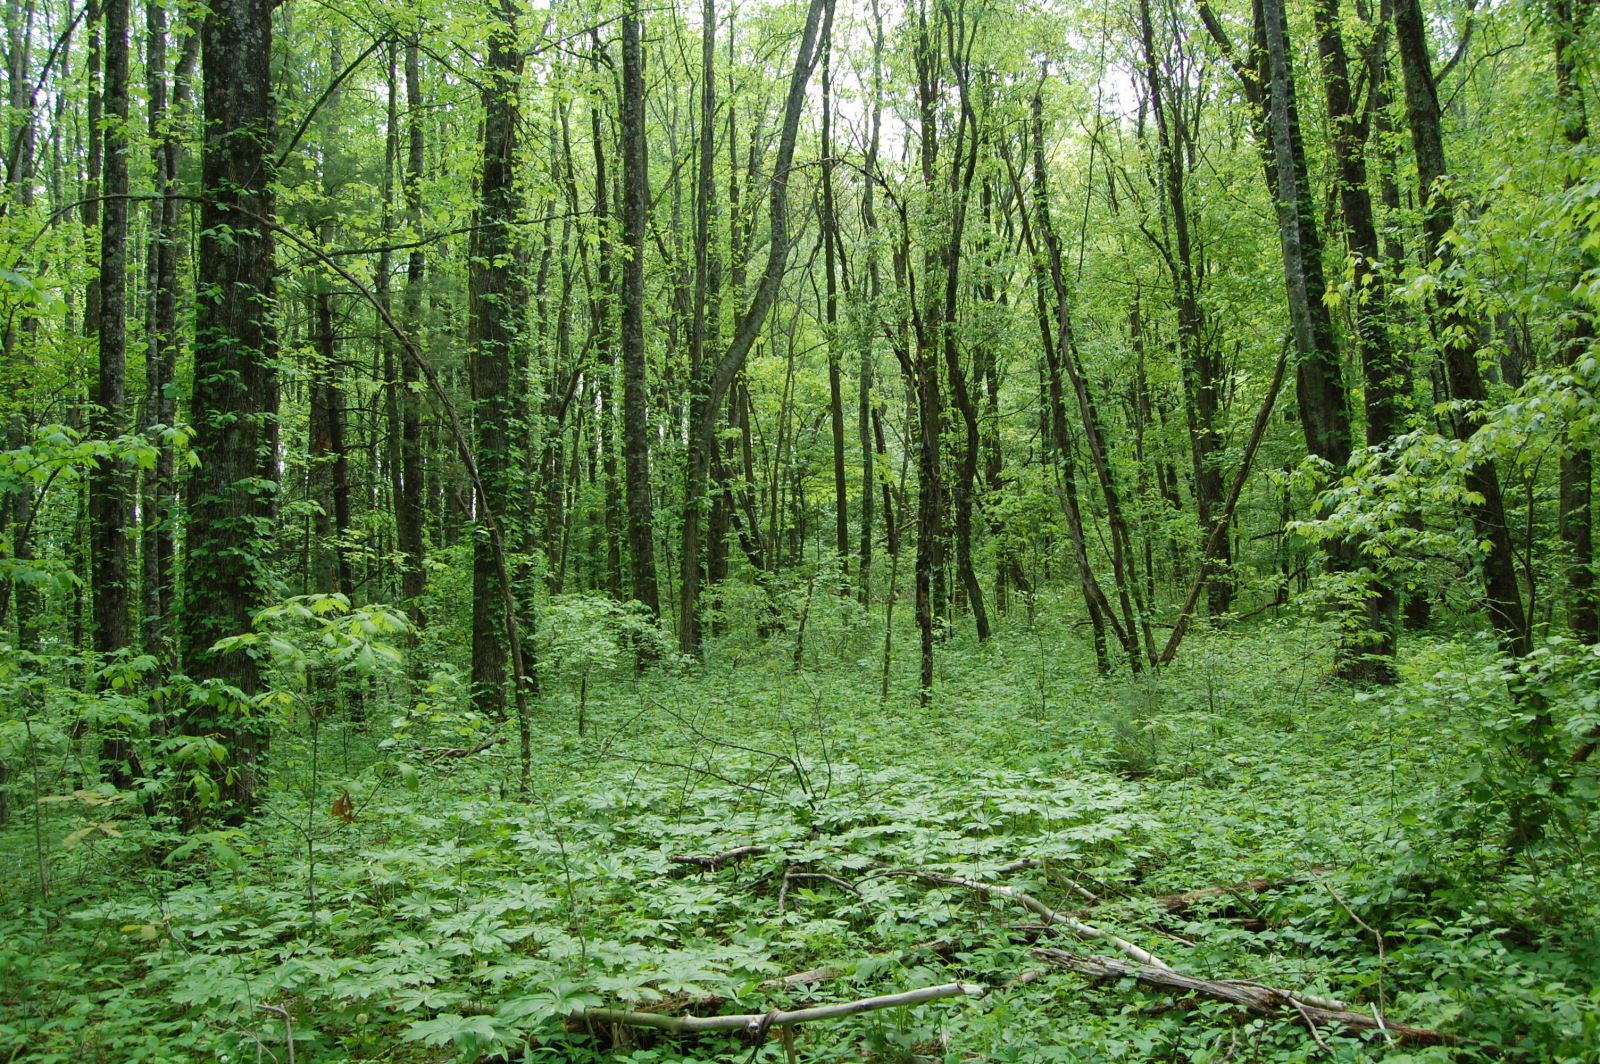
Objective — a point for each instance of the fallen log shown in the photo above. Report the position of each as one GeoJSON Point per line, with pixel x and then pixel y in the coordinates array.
{"type": "Point", "coordinates": [1256, 997]}
{"type": "Point", "coordinates": [757, 1024]}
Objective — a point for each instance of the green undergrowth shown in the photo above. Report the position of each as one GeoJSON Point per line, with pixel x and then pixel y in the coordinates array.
{"type": "Point", "coordinates": [406, 904]}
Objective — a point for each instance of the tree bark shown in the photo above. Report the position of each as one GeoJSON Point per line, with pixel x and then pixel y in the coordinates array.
{"type": "Point", "coordinates": [964, 163]}
{"type": "Point", "coordinates": [409, 511]}
{"type": "Point", "coordinates": [1363, 653]}
{"type": "Point", "coordinates": [703, 327]}
{"type": "Point", "coordinates": [830, 243]}
{"type": "Point", "coordinates": [1385, 372]}
{"type": "Point", "coordinates": [1457, 328]}
{"type": "Point", "coordinates": [330, 457]}
{"type": "Point", "coordinates": [1199, 363]}
{"type": "Point", "coordinates": [1055, 335]}
{"type": "Point", "coordinates": [1576, 523]}
{"type": "Point", "coordinates": [499, 293]}
{"type": "Point", "coordinates": [109, 481]}
{"type": "Point", "coordinates": [635, 417]}
{"type": "Point", "coordinates": [866, 315]}
{"type": "Point", "coordinates": [230, 494]}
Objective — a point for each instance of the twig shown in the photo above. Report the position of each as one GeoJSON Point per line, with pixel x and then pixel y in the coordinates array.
{"type": "Point", "coordinates": [1381, 1006]}
{"type": "Point", "coordinates": [1178, 904]}
{"type": "Point", "coordinates": [837, 881]}
{"type": "Point", "coordinates": [825, 974]}
{"type": "Point", "coordinates": [1378, 1019]}
{"type": "Point", "coordinates": [1312, 1024]}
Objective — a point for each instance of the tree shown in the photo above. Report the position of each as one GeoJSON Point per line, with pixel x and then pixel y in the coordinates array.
{"type": "Point", "coordinates": [229, 496]}
{"type": "Point", "coordinates": [721, 373]}
{"type": "Point", "coordinates": [1456, 328]}
{"type": "Point", "coordinates": [1576, 518]}
{"type": "Point", "coordinates": [635, 416]}
{"type": "Point", "coordinates": [498, 294]}
{"type": "Point", "coordinates": [1385, 372]}
{"type": "Point", "coordinates": [409, 513]}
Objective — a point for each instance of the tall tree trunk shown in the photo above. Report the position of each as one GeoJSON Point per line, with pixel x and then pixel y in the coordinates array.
{"type": "Point", "coordinates": [964, 163]}
{"type": "Point", "coordinates": [1066, 354]}
{"type": "Point", "coordinates": [499, 293]}
{"type": "Point", "coordinates": [329, 456]}
{"type": "Point", "coordinates": [410, 515]}
{"type": "Point", "coordinates": [94, 165]}
{"type": "Point", "coordinates": [635, 416]}
{"type": "Point", "coordinates": [921, 368]}
{"type": "Point", "coordinates": [1385, 372]}
{"type": "Point", "coordinates": [1324, 413]}
{"type": "Point", "coordinates": [1457, 328]}
{"type": "Point", "coordinates": [1417, 607]}
{"type": "Point", "coordinates": [382, 285]}
{"type": "Point", "coordinates": [109, 482]}
{"type": "Point", "coordinates": [152, 501]}
{"type": "Point", "coordinates": [158, 526]}
{"type": "Point", "coordinates": [1576, 524]}
{"type": "Point", "coordinates": [230, 493]}
{"type": "Point", "coordinates": [1056, 339]}
{"type": "Point", "coordinates": [601, 298]}
{"type": "Point", "coordinates": [866, 314]}
{"type": "Point", "coordinates": [706, 282]}
{"type": "Point", "coordinates": [830, 245]}
{"type": "Point", "coordinates": [20, 140]}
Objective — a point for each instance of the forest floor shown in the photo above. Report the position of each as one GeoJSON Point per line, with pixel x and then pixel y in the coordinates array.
{"type": "Point", "coordinates": [399, 901]}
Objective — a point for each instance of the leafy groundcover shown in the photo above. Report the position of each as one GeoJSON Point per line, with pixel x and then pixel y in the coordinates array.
{"type": "Point", "coordinates": [748, 836]}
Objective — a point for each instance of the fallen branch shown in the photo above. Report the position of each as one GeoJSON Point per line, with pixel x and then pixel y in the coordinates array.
{"type": "Point", "coordinates": [760, 1023]}
{"type": "Point", "coordinates": [1071, 924]}
{"type": "Point", "coordinates": [1180, 904]}
{"type": "Point", "coordinates": [439, 753]}
{"type": "Point", "coordinates": [714, 861]}
{"type": "Point", "coordinates": [288, 1026]}
{"type": "Point", "coordinates": [826, 974]}
{"type": "Point", "coordinates": [1071, 884]}
{"type": "Point", "coordinates": [1256, 997]}
{"type": "Point", "coordinates": [791, 876]}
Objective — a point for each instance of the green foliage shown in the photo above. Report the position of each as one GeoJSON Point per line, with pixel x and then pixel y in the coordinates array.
{"type": "Point", "coordinates": [452, 919]}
